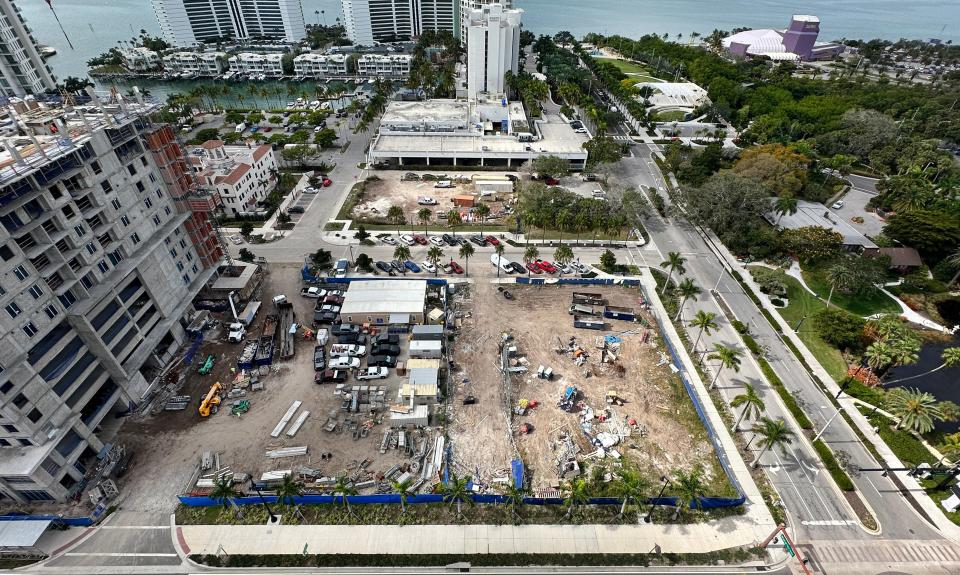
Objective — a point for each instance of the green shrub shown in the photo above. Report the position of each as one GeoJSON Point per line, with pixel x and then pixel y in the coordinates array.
{"type": "Point", "coordinates": [907, 448]}
{"type": "Point", "coordinates": [771, 281]}
{"type": "Point", "coordinates": [855, 388]}
{"type": "Point", "coordinates": [740, 326]}
{"type": "Point", "coordinates": [751, 344]}
{"type": "Point", "coordinates": [840, 328]}
{"type": "Point", "coordinates": [830, 462]}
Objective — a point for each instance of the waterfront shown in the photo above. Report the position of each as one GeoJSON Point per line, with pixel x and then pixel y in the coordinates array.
{"type": "Point", "coordinates": [96, 25]}
{"type": "Point", "coordinates": [266, 95]}
{"type": "Point", "coordinates": [942, 384]}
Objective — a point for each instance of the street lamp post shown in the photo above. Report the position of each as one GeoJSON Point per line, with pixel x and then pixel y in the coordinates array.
{"type": "Point", "coordinates": [663, 487]}
{"type": "Point", "coordinates": [263, 500]}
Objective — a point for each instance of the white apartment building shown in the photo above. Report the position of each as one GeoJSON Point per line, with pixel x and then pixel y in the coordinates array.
{"type": "Point", "coordinates": [250, 63]}
{"type": "Point", "coordinates": [200, 64]}
{"type": "Point", "coordinates": [320, 65]}
{"type": "Point", "coordinates": [100, 255]}
{"type": "Point", "coordinates": [493, 47]}
{"type": "Point", "coordinates": [241, 176]}
{"type": "Point", "coordinates": [22, 70]}
{"type": "Point", "coordinates": [370, 21]}
{"type": "Point", "coordinates": [388, 65]}
{"type": "Point", "coordinates": [139, 59]}
{"type": "Point", "coordinates": [466, 6]}
{"type": "Point", "coordinates": [189, 22]}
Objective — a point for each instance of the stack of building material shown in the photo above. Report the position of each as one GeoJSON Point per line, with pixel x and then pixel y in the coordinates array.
{"type": "Point", "coordinates": [286, 419]}
{"type": "Point", "coordinates": [287, 452]}
{"type": "Point", "coordinates": [298, 423]}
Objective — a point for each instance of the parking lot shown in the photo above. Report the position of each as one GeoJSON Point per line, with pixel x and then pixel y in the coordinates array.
{"type": "Point", "coordinates": [855, 209]}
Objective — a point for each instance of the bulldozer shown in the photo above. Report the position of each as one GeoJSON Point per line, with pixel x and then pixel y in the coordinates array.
{"type": "Point", "coordinates": [211, 400]}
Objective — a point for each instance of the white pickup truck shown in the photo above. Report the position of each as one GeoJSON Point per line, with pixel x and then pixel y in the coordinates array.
{"type": "Point", "coordinates": [313, 292]}
{"type": "Point", "coordinates": [347, 349]}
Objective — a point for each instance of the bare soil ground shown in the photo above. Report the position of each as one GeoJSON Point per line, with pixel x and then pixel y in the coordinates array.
{"type": "Point", "coordinates": [168, 445]}
{"type": "Point", "coordinates": [668, 435]}
{"type": "Point", "coordinates": [391, 190]}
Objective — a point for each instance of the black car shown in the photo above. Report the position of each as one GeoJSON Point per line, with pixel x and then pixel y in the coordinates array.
{"type": "Point", "coordinates": [385, 349]}
{"type": "Point", "coordinates": [386, 338]}
{"type": "Point", "coordinates": [397, 265]}
{"type": "Point", "coordinates": [296, 210]}
{"type": "Point", "coordinates": [479, 240]}
{"type": "Point", "coordinates": [449, 239]}
{"type": "Point", "coordinates": [319, 358]}
{"type": "Point", "coordinates": [517, 268]}
{"type": "Point", "coordinates": [345, 328]}
{"type": "Point", "coordinates": [352, 338]}
{"type": "Point", "coordinates": [331, 376]}
{"type": "Point", "coordinates": [326, 317]}
{"type": "Point", "coordinates": [384, 267]}
{"type": "Point", "coordinates": [382, 361]}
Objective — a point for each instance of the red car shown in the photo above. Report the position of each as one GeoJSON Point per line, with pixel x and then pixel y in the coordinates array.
{"type": "Point", "coordinates": [420, 239]}
{"type": "Point", "coordinates": [268, 129]}
{"type": "Point", "coordinates": [547, 266]}
{"type": "Point", "coordinates": [492, 241]}
{"type": "Point", "coordinates": [456, 268]}
{"type": "Point", "coordinates": [327, 182]}
{"type": "Point", "coordinates": [534, 268]}
{"type": "Point", "coordinates": [551, 181]}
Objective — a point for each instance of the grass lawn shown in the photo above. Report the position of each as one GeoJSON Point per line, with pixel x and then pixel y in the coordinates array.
{"type": "Point", "coordinates": [644, 78]}
{"type": "Point", "coordinates": [802, 303]}
{"type": "Point", "coordinates": [627, 67]}
{"type": "Point", "coordinates": [857, 304]}
{"type": "Point", "coordinates": [674, 116]}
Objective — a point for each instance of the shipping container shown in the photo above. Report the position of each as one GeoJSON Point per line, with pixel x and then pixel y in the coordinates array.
{"type": "Point", "coordinates": [429, 349]}
{"type": "Point", "coordinates": [622, 313]}
{"type": "Point", "coordinates": [427, 332]}
{"type": "Point", "coordinates": [587, 322]}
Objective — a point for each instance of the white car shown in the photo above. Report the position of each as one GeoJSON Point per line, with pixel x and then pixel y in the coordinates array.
{"type": "Point", "coordinates": [837, 205]}
{"type": "Point", "coordinates": [343, 362]}
{"type": "Point", "coordinates": [426, 201]}
{"type": "Point", "coordinates": [237, 240]}
{"type": "Point", "coordinates": [310, 190]}
{"type": "Point", "coordinates": [372, 373]}
{"type": "Point", "coordinates": [348, 349]}
{"type": "Point", "coordinates": [388, 240]}
{"type": "Point", "coordinates": [437, 241]}
{"type": "Point", "coordinates": [429, 267]}
{"type": "Point", "coordinates": [581, 130]}
{"type": "Point", "coordinates": [408, 239]}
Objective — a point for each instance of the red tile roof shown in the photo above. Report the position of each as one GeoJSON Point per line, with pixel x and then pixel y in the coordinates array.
{"type": "Point", "coordinates": [236, 174]}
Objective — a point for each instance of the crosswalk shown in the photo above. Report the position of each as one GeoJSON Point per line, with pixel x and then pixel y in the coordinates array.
{"type": "Point", "coordinates": [867, 557]}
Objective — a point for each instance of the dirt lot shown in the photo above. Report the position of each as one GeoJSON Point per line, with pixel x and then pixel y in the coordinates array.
{"type": "Point", "coordinates": [168, 445]}
{"type": "Point", "coordinates": [667, 435]}
{"type": "Point", "coordinates": [391, 190]}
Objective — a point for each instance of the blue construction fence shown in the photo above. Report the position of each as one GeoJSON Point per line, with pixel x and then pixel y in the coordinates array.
{"type": "Point", "coordinates": [711, 432]}
{"type": "Point", "coordinates": [71, 521]}
{"type": "Point", "coordinates": [393, 498]}
{"type": "Point", "coordinates": [578, 281]}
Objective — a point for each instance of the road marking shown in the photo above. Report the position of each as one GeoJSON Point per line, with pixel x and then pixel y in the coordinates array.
{"type": "Point", "coordinates": [120, 555]}
{"type": "Point", "coordinates": [874, 487]}
{"type": "Point", "coordinates": [135, 527]}
{"type": "Point", "coordinates": [829, 522]}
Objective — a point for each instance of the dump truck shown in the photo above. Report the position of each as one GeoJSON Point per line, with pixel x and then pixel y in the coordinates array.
{"type": "Point", "coordinates": [211, 400]}
{"type": "Point", "coordinates": [266, 342]}
{"type": "Point", "coordinates": [237, 332]}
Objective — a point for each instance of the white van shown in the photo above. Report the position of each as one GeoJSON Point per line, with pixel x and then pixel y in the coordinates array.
{"type": "Point", "coordinates": [240, 127]}
{"type": "Point", "coordinates": [501, 262]}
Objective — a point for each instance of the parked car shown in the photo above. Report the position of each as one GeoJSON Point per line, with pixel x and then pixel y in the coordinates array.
{"type": "Point", "coordinates": [319, 358]}
{"type": "Point", "coordinates": [426, 201]}
{"type": "Point", "coordinates": [408, 239]}
{"type": "Point", "coordinates": [351, 349]}
{"type": "Point", "coordinates": [437, 241]}
{"type": "Point", "coordinates": [517, 268]}
{"type": "Point", "coordinates": [344, 362]}
{"type": "Point", "coordinates": [388, 240]}
{"type": "Point", "coordinates": [456, 268]}
{"type": "Point", "coordinates": [837, 204]}
{"type": "Point", "coordinates": [386, 338]}
{"type": "Point", "coordinates": [330, 376]}
{"type": "Point", "coordinates": [478, 239]}
{"type": "Point", "coordinates": [429, 267]}
{"type": "Point", "coordinates": [565, 268]}
{"type": "Point", "coordinates": [444, 184]}
{"type": "Point", "coordinates": [372, 373]}
{"type": "Point", "coordinates": [326, 182]}
{"type": "Point", "coordinates": [385, 349]}
{"type": "Point", "coordinates": [397, 265]}
{"type": "Point", "coordinates": [410, 177]}
{"type": "Point", "coordinates": [352, 339]}
{"type": "Point", "coordinates": [551, 181]}
{"type": "Point", "coordinates": [534, 268]}
{"type": "Point", "coordinates": [547, 266]}
{"type": "Point", "coordinates": [420, 239]}
{"type": "Point", "coordinates": [384, 267]}
{"type": "Point", "coordinates": [492, 241]}
{"type": "Point", "coordinates": [345, 328]}
{"type": "Point", "coordinates": [333, 299]}
{"type": "Point", "coordinates": [326, 316]}
{"type": "Point", "coordinates": [449, 239]}
{"type": "Point", "coordinates": [296, 210]}
{"type": "Point", "coordinates": [313, 292]}
{"type": "Point", "coordinates": [238, 332]}
{"type": "Point", "coordinates": [411, 266]}
{"type": "Point", "coordinates": [381, 361]}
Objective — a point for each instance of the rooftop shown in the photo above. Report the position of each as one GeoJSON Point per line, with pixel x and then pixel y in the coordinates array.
{"type": "Point", "coordinates": [427, 111]}
{"type": "Point", "coordinates": [238, 279]}
{"type": "Point", "coordinates": [385, 296]}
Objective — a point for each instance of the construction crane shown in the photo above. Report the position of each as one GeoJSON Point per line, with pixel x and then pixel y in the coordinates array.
{"type": "Point", "coordinates": [212, 398]}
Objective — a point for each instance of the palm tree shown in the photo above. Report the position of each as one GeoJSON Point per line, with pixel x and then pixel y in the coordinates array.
{"type": "Point", "coordinates": [482, 211]}
{"type": "Point", "coordinates": [466, 250]}
{"type": "Point", "coordinates": [576, 495]}
{"type": "Point", "coordinates": [402, 488]}
{"type": "Point", "coordinates": [402, 253]}
{"type": "Point", "coordinates": [632, 487]}
{"type": "Point", "coordinates": [704, 321]}
{"type": "Point", "coordinates": [344, 488]}
{"type": "Point", "coordinates": [840, 275]}
{"type": "Point", "coordinates": [395, 214]}
{"type": "Point", "coordinates": [949, 358]}
{"type": "Point", "coordinates": [455, 491]}
{"type": "Point", "coordinates": [729, 357]}
{"type": "Point", "coordinates": [879, 355]}
{"type": "Point", "coordinates": [953, 260]}
{"type": "Point", "coordinates": [454, 220]}
{"type": "Point", "coordinates": [223, 491]}
{"type": "Point", "coordinates": [773, 433]}
{"type": "Point", "coordinates": [688, 488]}
{"type": "Point", "coordinates": [752, 403]}
{"type": "Point", "coordinates": [950, 447]}
{"type": "Point", "coordinates": [499, 249]}
{"type": "Point", "coordinates": [675, 262]}
{"type": "Point", "coordinates": [917, 410]}
{"type": "Point", "coordinates": [288, 489]}
{"type": "Point", "coordinates": [434, 255]}
{"type": "Point", "coordinates": [563, 255]}
{"type": "Point", "coordinates": [515, 498]}
{"type": "Point", "coordinates": [530, 254]}
{"type": "Point", "coordinates": [687, 289]}
{"type": "Point", "coordinates": [785, 205]}
{"type": "Point", "coordinates": [424, 216]}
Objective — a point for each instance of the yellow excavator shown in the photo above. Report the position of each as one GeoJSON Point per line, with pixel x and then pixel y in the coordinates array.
{"type": "Point", "coordinates": [212, 398]}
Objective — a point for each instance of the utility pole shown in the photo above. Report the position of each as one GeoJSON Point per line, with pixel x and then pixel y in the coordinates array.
{"type": "Point", "coordinates": [788, 545]}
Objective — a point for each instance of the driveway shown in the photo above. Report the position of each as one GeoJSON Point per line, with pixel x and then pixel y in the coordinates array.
{"type": "Point", "coordinates": [854, 205]}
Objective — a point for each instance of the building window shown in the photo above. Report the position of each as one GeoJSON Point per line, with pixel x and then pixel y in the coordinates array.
{"type": "Point", "coordinates": [13, 309]}
{"type": "Point", "coordinates": [106, 187]}
{"type": "Point", "coordinates": [34, 415]}
{"type": "Point", "coordinates": [132, 169]}
{"type": "Point", "coordinates": [51, 311]}
{"type": "Point", "coordinates": [95, 166]}
{"type": "Point", "coordinates": [189, 257]}
{"type": "Point", "coordinates": [67, 212]}
{"type": "Point", "coordinates": [135, 237]}
{"type": "Point", "coordinates": [11, 429]}
{"type": "Point", "coordinates": [159, 194]}
{"type": "Point", "coordinates": [173, 252]}
{"type": "Point", "coordinates": [20, 400]}
{"type": "Point", "coordinates": [153, 178]}
{"type": "Point", "coordinates": [125, 221]}
{"type": "Point", "coordinates": [87, 281]}
{"type": "Point", "coordinates": [183, 244]}
{"type": "Point", "coordinates": [186, 279]}
{"type": "Point", "coordinates": [156, 219]}
{"type": "Point", "coordinates": [148, 202]}
{"type": "Point", "coordinates": [30, 329]}
{"type": "Point", "coordinates": [180, 266]}
{"type": "Point", "coordinates": [141, 187]}
{"type": "Point", "coordinates": [6, 387]}
{"type": "Point", "coordinates": [166, 210]}
{"type": "Point", "coordinates": [36, 291]}
{"type": "Point", "coordinates": [115, 257]}
{"type": "Point", "coordinates": [91, 248]}
{"type": "Point", "coordinates": [194, 268]}
{"type": "Point", "coordinates": [6, 253]}
{"type": "Point", "coordinates": [115, 203]}
{"type": "Point", "coordinates": [21, 273]}
{"type": "Point", "coordinates": [103, 267]}
{"type": "Point", "coordinates": [143, 160]}
{"type": "Point", "coordinates": [67, 299]}
{"type": "Point", "coordinates": [79, 229]}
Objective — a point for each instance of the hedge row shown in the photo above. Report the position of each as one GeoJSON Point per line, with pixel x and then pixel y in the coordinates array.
{"type": "Point", "coordinates": [830, 462]}
{"type": "Point", "coordinates": [904, 445]}
{"type": "Point", "coordinates": [752, 344]}
{"type": "Point", "coordinates": [788, 399]}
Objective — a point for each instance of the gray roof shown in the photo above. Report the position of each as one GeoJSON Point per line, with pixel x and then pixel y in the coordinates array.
{"type": "Point", "coordinates": [818, 215]}
{"type": "Point", "coordinates": [424, 375]}
{"type": "Point", "coordinates": [22, 533]}
{"type": "Point", "coordinates": [427, 329]}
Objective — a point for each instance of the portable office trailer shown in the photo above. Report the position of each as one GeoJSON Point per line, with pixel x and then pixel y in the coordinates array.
{"type": "Point", "coordinates": [427, 333]}
{"type": "Point", "coordinates": [418, 417]}
{"type": "Point", "coordinates": [622, 313]}
{"type": "Point", "coordinates": [430, 349]}
{"type": "Point", "coordinates": [587, 322]}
